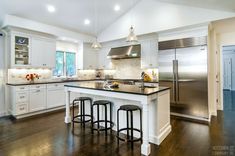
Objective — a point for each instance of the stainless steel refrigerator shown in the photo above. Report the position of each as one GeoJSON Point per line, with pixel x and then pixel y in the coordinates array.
{"type": "Point", "coordinates": [183, 67]}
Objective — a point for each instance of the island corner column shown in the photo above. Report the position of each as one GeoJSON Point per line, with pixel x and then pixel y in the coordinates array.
{"type": "Point", "coordinates": [67, 118]}
{"type": "Point", "coordinates": [145, 147]}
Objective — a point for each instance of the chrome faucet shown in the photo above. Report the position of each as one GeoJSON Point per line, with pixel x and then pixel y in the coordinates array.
{"type": "Point", "coordinates": [142, 80]}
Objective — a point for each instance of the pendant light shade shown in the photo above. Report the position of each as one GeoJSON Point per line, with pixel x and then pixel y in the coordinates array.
{"type": "Point", "coordinates": [96, 45]}
{"type": "Point", "coordinates": [132, 37]}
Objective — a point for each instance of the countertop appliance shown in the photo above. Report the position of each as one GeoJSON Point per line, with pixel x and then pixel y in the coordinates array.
{"type": "Point", "coordinates": [183, 67]}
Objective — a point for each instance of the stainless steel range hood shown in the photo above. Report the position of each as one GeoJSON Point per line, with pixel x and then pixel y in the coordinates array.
{"type": "Point", "coordinates": [132, 51]}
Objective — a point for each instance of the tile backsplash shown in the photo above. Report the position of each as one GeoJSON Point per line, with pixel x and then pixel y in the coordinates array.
{"type": "Point", "coordinates": [127, 68]}
{"type": "Point", "coordinates": [18, 75]}
{"type": "Point", "coordinates": [122, 69]}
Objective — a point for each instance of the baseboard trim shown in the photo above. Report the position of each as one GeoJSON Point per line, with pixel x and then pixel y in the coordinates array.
{"type": "Point", "coordinates": [2, 114]}
{"type": "Point", "coordinates": [191, 118]}
{"type": "Point", "coordinates": [33, 114]}
{"type": "Point", "coordinates": [158, 139]}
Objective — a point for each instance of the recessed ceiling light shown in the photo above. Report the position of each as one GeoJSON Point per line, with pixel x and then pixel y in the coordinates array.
{"type": "Point", "coordinates": [51, 8]}
{"type": "Point", "coordinates": [87, 21]}
{"type": "Point", "coordinates": [116, 7]}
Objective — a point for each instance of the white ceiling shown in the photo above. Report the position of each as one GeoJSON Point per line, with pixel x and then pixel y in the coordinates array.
{"type": "Point", "coordinates": [70, 14]}
{"type": "Point", "coordinates": [225, 5]}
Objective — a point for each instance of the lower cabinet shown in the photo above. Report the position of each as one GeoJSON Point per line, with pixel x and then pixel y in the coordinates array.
{"type": "Point", "coordinates": [37, 100]}
{"type": "Point", "coordinates": [55, 95]}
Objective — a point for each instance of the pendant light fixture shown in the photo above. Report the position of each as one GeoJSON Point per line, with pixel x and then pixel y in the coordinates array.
{"type": "Point", "coordinates": [96, 45]}
{"type": "Point", "coordinates": [132, 37]}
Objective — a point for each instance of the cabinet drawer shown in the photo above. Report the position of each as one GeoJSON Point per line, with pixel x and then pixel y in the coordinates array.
{"type": "Point", "coordinates": [32, 87]}
{"type": "Point", "coordinates": [22, 97]}
{"type": "Point", "coordinates": [55, 86]}
{"type": "Point", "coordinates": [21, 108]}
{"type": "Point", "coordinates": [21, 88]}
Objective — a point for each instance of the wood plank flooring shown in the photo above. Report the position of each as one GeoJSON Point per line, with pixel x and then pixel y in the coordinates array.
{"type": "Point", "coordinates": [48, 135]}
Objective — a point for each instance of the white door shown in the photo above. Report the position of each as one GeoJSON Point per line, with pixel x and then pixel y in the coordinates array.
{"type": "Point", "coordinates": [227, 64]}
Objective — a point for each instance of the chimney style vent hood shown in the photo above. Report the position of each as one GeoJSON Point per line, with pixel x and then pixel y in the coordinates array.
{"type": "Point", "coordinates": [132, 51]}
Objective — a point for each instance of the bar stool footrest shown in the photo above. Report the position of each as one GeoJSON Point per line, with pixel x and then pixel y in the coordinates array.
{"type": "Point", "coordinates": [79, 117]}
{"type": "Point", "coordinates": [128, 140]}
{"type": "Point", "coordinates": [103, 129]}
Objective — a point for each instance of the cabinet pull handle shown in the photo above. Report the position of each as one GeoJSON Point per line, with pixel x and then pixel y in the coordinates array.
{"type": "Point", "coordinates": [21, 97]}
{"type": "Point", "coordinates": [37, 91]}
{"type": "Point", "coordinates": [21, 108]}
{"type": "Point", "coordinates": [22, 88]}
{"type": "Point", "coordinates": [37, 86]}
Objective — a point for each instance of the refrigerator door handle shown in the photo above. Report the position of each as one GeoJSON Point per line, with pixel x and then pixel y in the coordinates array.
{"type": "Point", "coordinates": [176, 82]}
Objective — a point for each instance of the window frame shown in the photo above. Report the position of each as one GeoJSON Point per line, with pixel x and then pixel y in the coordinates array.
{"type": "Point", "coordinates": [65, 64]}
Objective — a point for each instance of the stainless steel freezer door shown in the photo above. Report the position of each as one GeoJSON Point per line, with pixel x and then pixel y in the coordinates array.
{"type": "Point", "coordinates": [166, 77]}
{"type": "Point", "coordinates": [191, 87]}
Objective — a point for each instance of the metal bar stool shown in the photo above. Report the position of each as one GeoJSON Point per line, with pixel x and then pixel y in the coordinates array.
{"type": "Point", "coordinates": [104, 103]}
{"type": "Point", "coordinates": [129, 109]}
{"type": "Point", "coordinates": [81, 118]}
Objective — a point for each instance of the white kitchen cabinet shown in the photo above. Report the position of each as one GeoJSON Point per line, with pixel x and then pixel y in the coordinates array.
{"type": "Point", "coordinates": [55, 95]}
{"type": "Point", "coordinates": [89, 61]}
{"type": "Point", "coordinates": [43, 52]}
{"type": "Point", "coordinates": [149, 53]}
{"type": "Point", "coordinates": [104, 62]}
{"type": "Point", "coordinates": [20, 45]}
{"type": "Point", "coordinates": [19, 100]}
{"type": "Point", "coordinates": [37, 98]}
{"type": "Point", "coordinates": [30, 49]}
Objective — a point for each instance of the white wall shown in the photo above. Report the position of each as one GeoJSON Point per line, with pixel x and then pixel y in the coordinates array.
{"type": "Point", "coordinates": [2, 94]}
{"type": "Point", "coordinates": [225, 35]}
{"type": "Point", "coordinates": [154, 16]}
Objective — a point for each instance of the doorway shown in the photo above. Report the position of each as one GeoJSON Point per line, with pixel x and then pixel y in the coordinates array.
{"type": "Point", "coordinates": [228, 78]}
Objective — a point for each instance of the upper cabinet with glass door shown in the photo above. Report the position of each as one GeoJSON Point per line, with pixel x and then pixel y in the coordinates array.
{"type": "Point", "coordinates": [31, 50]}
{"type": "Point", "coordinates": [20, 50]}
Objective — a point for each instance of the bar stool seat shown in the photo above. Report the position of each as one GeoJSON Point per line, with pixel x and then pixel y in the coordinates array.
{"type": "Point", "coordinates": [83, 98]}
{"type": "Point", "coordinates": [129, 109]}
{"type": "Point", "coordinates": [106, 121]}
{"type": "Point", "coordinates": [81, 118]}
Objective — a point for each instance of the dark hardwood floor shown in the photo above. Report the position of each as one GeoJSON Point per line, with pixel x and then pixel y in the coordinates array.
{"type": "Point", "coordinates": [48, 135]}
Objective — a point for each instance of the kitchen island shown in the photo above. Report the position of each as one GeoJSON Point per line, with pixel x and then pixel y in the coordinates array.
{"type": "Point", "coordinates": [155, 104]}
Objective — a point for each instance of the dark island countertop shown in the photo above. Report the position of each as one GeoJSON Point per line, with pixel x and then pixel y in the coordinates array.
{"type": "Point", "coordinates": [123, 88]}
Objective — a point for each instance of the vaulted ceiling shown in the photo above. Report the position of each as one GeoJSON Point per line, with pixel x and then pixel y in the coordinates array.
{"type": "Point", "coordinates": [70, 14]}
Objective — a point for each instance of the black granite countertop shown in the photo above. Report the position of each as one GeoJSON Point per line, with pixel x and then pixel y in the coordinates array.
{"type": "Point", "coordinates": [48, 82]}
{"type": "Point", "coordinates": [64, 81]}
{"type": "Point", "coordinates": [123, 88]}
